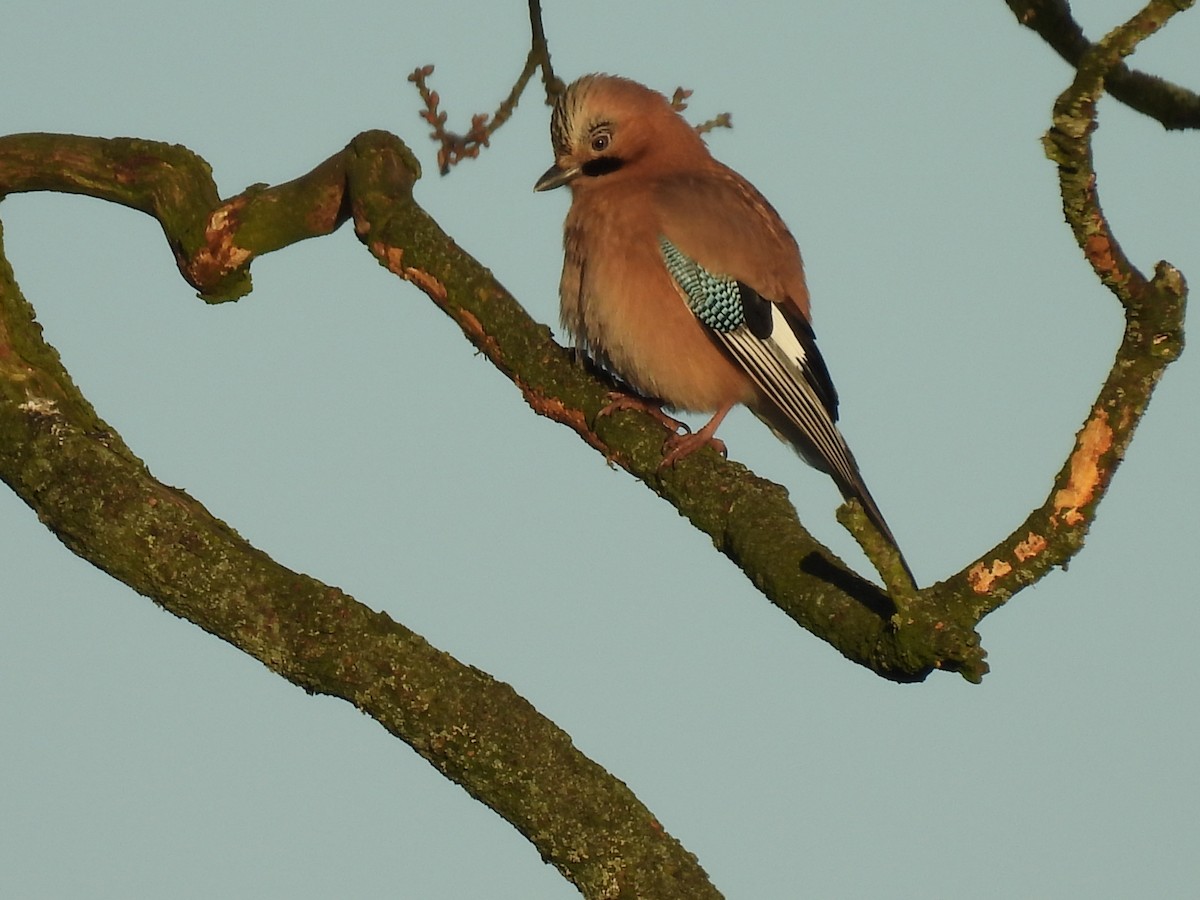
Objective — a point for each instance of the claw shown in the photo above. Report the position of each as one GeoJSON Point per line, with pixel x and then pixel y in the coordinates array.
{"type": "Point", "coordinates": [682, 443]}
{"type": "Point", "coordinates": [620, 401]}
{"type": "Point", "coordinates": [681, 446]}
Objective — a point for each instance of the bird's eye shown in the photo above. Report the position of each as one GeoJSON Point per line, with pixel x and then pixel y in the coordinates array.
{"type": "Point", "coordinates": [601, 141]}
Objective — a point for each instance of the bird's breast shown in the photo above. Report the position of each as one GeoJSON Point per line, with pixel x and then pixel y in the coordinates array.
{"type": "Point", "coordinates": [621, 304]}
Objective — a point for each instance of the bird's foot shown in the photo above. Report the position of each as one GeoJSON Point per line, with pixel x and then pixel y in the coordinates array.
{"type": "Point", "coordinates": [682, 443]}
{"type": "Point", "coordinates": [681, 446]}
{"type": "Point", "coordinates": [619, 401]}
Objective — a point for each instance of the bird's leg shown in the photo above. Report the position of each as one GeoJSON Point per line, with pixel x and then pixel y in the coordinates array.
{"type": "Point", "coordinates": [619, 400]}
{"type": "Point", "coordinates": [682, 443]}
{"type": "Point", "coordinates": [681, 446]}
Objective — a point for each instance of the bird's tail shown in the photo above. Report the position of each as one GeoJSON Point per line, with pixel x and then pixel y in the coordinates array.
{"type": "Point", "coordinates": [857, 490]}
{"type": "Point", "coordinates": [843, 471]}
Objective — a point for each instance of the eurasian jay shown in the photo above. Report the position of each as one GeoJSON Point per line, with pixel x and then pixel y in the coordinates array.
{"type": "Point", "coordinates": [681, 279]}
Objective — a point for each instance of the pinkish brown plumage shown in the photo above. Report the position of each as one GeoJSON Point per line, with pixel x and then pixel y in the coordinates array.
{"type": "Point", "coordinates": [684, 281]}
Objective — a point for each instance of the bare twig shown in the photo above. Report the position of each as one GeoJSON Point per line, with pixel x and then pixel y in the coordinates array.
{"type": "Point", "coordinates": [1172, 105]}
{"type": "Point", "coordinates": [1154, 311]}
{"type": "Point", "coordinates": [453, 148]}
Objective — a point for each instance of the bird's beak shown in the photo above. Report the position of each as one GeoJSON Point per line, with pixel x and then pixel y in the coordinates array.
{"type": "Point", "coordinates": [555, 176]}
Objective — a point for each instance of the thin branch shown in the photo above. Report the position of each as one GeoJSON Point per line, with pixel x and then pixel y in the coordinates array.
{"type": "Point", "coordinates": [454, 148]}
{"type": "Point", "coordinates": [720, 120]}
{"type": "Point", "coordinates": [539, 51]}
{"type": "Point", "coordinates": [1153, 338]}
{"type": "Point", "coordinates": [1173, 106]}
{"type": "Point", "coordinates": [679, 102]}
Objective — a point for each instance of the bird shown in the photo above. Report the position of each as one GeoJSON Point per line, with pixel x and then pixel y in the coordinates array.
{"type": "Point", "coordinates": [682, 280]}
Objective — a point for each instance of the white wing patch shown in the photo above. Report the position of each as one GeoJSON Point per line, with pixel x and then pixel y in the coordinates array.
{"type": "Point", "coordinates": [778, 351]}
{"type": "Point", "coordinates": [785, 365]}
{"type": "Point", "coordinates": [785, 338]}
{"type": "Point", "coordinates": [779, 367]}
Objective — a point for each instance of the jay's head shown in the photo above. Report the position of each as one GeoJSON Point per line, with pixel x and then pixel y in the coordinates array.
{"type": "Point", "coordinates": [606, 128]}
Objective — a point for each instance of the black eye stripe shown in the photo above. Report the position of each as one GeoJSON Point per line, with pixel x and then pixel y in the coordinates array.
{"type": "Point", "coordinates": [602, 166]}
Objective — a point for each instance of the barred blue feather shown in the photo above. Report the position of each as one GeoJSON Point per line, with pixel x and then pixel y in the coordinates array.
{"type": "Point", "coordinates": [779, 353]}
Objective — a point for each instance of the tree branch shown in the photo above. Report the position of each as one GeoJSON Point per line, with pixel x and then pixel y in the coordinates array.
{"type": "Point", "coordinates": [454, 148]}
{"type": "Point", "coordinates": [1153, 338]}
{"type": "Point", "coordinates": [1172, 105]}
{"type": "Point", "coordinates": [101, 501]}
{"type": "Point", "coordinates": [749, 519]}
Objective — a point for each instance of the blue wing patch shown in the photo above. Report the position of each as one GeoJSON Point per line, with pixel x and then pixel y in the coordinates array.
{"type": "Point", "coordinates": [775, 346]}
{"type": "Point", "coordinates": [777, 351]}
{"type": "Point", "coordinates": [739, 314]}
{"type": "Point", "coordinates": [715, 301]}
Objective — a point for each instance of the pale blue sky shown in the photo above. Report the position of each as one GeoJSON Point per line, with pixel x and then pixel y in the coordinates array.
{"type": "Point", "coordinates": [340, 422]}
